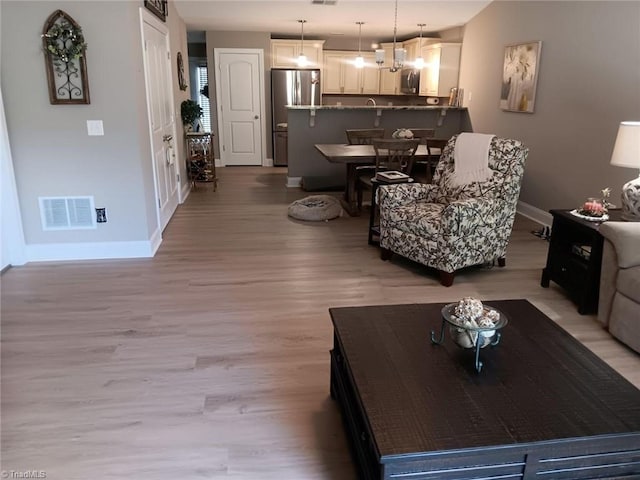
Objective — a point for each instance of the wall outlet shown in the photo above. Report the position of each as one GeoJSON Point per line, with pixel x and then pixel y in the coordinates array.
{"type": "Point", "coordinates": [101, 215]}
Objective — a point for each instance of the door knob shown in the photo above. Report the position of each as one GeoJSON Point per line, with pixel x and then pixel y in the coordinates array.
{"type": "Point", "coordinates": [256, 117]}
{"type": "Point", "coordinates": [167, 138]}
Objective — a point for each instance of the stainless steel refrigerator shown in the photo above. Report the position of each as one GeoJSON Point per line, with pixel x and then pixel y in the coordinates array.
{"type": "Point", "coordinates": [290, 87]}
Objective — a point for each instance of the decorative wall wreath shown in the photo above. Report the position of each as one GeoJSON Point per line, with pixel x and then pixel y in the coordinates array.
{"type": "Point", "coordinates": [65, 60]}
{"type": "Point", "coordinates": [65, 41]}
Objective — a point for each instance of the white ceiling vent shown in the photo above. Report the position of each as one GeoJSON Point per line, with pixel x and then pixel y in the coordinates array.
{"type": "Point", "coordinates": [67, 213]}
{"type": "Point", "coordinates": [324, 2]}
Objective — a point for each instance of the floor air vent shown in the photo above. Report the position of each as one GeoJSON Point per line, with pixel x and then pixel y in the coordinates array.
{"type": "Point", "coordinates": [67, 213]}
{"type": "Point", "coordinates": [324, 2]}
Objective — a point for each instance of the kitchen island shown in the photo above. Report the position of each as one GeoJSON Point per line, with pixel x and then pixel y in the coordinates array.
{"type": "Point", "coordinates": [327, 124]}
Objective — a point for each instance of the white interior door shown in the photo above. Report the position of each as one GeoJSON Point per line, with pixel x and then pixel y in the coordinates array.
{"type": "Point", "coordinates": [157, 69]}
{"type": "Point", "coordinates": [240, 99]}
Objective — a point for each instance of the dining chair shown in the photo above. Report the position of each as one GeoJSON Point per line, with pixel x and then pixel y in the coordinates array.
{"type": "Point", "coordinates": [424, 167]}
{"type": "Point", "coordinates": [391, 154]}
{"type": "Point", "coordinates": [423, 134]}
{"type": "Point", "coordinates": [435, 146]}
{"type": "Point", "coordinates": [363, 136]}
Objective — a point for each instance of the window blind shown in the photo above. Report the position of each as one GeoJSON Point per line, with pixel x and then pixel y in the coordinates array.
{"type": "Point", "coordinates": [202, 100]}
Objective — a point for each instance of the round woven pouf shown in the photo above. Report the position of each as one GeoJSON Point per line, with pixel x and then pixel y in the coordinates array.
{"type": "Point", "coordinates": [315, 208]}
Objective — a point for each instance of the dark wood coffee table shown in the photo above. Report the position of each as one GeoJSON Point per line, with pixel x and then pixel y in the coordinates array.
{"type": "Point", "coordinates": [543, 407]}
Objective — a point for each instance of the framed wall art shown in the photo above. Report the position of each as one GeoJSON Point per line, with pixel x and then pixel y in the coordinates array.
{"type": "Point", "coordinates": [64, 58]}
{"type": "Point", "coordinates": [159, 8]}
{"type": "Point", "coordinates": [520, 77]}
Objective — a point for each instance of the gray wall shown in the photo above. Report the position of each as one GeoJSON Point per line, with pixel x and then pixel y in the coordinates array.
{"type": "Point", "coordinates": [589, 81]}
{"type": "Point", "coordinates": [52, 153]}
{"type": "Point", "coordinates": [53, 156]}
{"type": "Point", "coordinates": [240, 40]}
{"type": "Point", "coordinates": [178, 43]}
{"type": "Point", "coordinates": [330, 126]}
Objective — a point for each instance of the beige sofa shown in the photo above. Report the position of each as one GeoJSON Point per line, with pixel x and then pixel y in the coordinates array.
{"type": "Point", "coordinates": [619, 306]}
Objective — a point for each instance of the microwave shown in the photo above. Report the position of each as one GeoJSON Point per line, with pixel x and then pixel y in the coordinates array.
{"type": "Point", "coordinates": [410, 81]}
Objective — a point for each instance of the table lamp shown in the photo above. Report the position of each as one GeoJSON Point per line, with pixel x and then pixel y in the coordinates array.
{"type": "Point", "coordinates": [626, 153]}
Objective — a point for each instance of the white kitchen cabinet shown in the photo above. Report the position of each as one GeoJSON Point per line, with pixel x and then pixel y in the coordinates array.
{"type": "Point", "coordinates": [370, 74]}
{"type": "Point", "coordinates": [340, 75]}
{"type": "Point", "coordinates": [389, 81]}
{"type": "Point", "coordinates": [413, 51]}
{"type": "Point", "coordinates": [442, 66]}
{"type": "Point", "coordinates": [332, 81]}
{"type": "Point", "coordinates": [284, 53]}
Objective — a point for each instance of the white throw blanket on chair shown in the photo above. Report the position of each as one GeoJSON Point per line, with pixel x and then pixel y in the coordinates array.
{"type": "Point", "coordinates": [471, 158]}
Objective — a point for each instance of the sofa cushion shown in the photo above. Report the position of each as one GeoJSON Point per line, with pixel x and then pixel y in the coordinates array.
{"type": "Point", "coordinates": [628, 283]}
{"type": "Point", "coordinates": [625, 321]}
{"type": "Point", "coordinates": [624, 236]}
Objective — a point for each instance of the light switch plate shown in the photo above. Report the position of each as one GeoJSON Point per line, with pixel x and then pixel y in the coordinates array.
{"type": "Point", "coordinates": [95, 128]}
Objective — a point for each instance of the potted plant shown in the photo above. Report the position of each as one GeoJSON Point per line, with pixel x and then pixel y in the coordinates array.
{"type": "Point", "coordinates": [190, 111]}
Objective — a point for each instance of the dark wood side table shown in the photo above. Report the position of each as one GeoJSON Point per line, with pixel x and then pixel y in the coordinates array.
{"type": "Point", "coordinates": [575, 257]}
{"type": "Point", "coordinates": [374, 227]}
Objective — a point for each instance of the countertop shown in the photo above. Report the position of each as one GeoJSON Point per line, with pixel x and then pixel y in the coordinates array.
{"type": "Point", "coordinates": [371, 107]}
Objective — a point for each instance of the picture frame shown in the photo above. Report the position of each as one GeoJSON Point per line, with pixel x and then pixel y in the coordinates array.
{"type": "Point", "coordinates": [520, 76]}
{"type": "Point", "coordinates": [160, 8]}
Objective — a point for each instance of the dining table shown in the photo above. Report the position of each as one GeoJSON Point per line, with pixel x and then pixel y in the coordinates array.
{"type": "Point", "coordinates": [353, 156]}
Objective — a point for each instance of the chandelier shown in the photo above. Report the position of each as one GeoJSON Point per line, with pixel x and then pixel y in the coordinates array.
{"type": "Point", "coordinates": [398, 54]}
{"type": "Point", "coordinates": [359, 61]}
{"type": "Point", "coordinates": [302, 58]}
{"type": "Point", "coordinates": [419, 62]}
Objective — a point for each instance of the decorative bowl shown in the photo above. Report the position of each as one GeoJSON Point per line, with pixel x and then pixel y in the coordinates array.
{"type": "Point", "coordinates": [468, 336]}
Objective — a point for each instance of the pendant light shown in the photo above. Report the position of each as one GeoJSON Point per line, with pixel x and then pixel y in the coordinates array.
{"type": "Point", "coordinates": [359, 62]}
{"type": "Point", "coordinates": [398, 53]}
{"type": "Point", "coordinates": [419, 62]}
{"type": "Point", "coordinates": [302, 58]}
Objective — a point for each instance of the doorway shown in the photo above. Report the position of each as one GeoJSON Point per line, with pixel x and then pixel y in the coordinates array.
{"type": "Point", "coordinates": [240, 105]}
{"type": "Point", "coordinates": [157, 73]}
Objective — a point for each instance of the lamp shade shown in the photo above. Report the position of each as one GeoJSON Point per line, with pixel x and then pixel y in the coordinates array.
{"type": "Point", "coordinates": [302, 60]}
{"type": "Point", "coordinates": [626, 151]}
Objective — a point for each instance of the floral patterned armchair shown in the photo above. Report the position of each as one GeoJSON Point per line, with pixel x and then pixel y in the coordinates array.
{"type": "Point", "coordinates": [450, 227]}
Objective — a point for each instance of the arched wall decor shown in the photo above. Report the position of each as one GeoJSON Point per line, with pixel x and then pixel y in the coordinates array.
{"type": "Point", "coordinates": [181, 81]}
{"type": "Point", "coordinates": [65, 62]}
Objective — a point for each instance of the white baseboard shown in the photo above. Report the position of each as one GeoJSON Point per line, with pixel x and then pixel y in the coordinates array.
{"type": "Point", "coordinates": [218, 162]}
{"type": "Point", "coordinates": [268, 162]}
{"type": "Point", "coordinates": [52, 252]}
{"type": "Point", "coordinates": [294, 182]}
{"type": "Point", "coordinates": [185, 191]}
{"type": "Point", "coordinates": [156, 240]}
{"type": "Point", "coordinates": [144, 249]}
{"type": "Point", "coordinates": [535, 214]}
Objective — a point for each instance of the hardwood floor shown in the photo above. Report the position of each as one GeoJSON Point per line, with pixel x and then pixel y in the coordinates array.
{"type": "Point", "coordinates": [211, 360]}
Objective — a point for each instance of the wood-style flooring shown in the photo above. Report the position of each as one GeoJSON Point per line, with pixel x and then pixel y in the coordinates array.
{"type": "Point", "coordinates": [211, 360]}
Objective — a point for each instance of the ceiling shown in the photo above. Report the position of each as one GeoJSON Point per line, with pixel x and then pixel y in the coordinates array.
{"type": "Point", "coordinates": [325, 20]}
